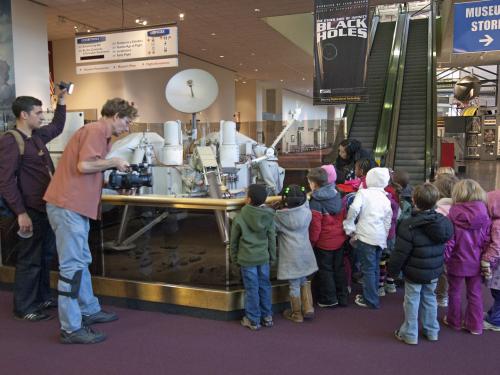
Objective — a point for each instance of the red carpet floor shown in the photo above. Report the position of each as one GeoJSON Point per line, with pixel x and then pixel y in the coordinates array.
{"type": "Point", "coordinates": [341, 341]}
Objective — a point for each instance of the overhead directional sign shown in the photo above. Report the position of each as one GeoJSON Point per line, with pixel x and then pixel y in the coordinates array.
{"type": "Point", "coordinates": [476, 27]}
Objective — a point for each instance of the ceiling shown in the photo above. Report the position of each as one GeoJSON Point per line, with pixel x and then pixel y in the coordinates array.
{"type": "Point", "coordinates": [250, 47]}
{"type": "Point", "coordinates": [245, 36]}
{"type": "Point", "coordinates": [238, 30]}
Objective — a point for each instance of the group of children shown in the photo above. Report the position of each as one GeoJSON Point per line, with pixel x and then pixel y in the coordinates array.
{"type": "Point", "coordinates": [435, 237]}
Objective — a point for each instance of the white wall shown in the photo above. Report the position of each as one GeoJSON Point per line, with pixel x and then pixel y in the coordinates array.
{"type": "Point", "coordinates": [146, 88]}
{"type": "Point", "coordinates": [31, 57]}
{"type": "Point", "coordinates": [310, 118]}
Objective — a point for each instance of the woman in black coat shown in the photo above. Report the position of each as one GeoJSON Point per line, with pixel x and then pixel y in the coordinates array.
{"type": "Point", "coordinates": [349, 152]}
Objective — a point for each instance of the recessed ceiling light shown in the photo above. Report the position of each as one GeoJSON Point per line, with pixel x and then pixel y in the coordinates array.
{"type": "Point", "coordinates": [281, 80]}
{"type": "Point", "coordinates": [213, 34]}
{"type": "Point", "coordinates": [241, 64]}
{"type": "Point", "coordinates": [253, 54]}
{"type": "Point", "coordinates": [244, 82]}
{"type": "Point", "coordinates": [256, 70]}
{"type": "Point", "coordinates": [221, 56]}
{"type": "Point", "coordinates": [303, 79]}
{"type": "Point", "coordinates": [181, 16]}
{"type": "Point", "coordinates": [256, 10]}
{"type": "Point", "coordinates": [203, 49]}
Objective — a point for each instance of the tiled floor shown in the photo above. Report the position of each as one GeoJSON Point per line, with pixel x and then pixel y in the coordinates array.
{"type": "Point", "coordinates": [487, 173]}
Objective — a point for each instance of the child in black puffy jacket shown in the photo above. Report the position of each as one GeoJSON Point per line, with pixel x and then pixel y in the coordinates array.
{"type": "Point", "coordinates": [419, 253]}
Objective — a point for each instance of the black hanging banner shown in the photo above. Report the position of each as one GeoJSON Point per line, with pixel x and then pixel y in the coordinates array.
{"type": "Point", "coordinates": [340, 45]}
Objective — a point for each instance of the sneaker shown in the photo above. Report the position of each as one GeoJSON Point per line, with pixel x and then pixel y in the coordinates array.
{"type": "Point", "coordinates": [267, 321]}
{"type": "Point", "coordinates": [442, 302]}
{"type": "Point", "coordinates": [390, 288]}
{"type": "Point", "coordinates": [360, 301]}
{"type": "Point", "coordinates": [245, 322]}
{"type": "Point", "coordinates": [430, 337]}
{"type": "Point", "coordinates": [490, 327]}
{"type": "Point", "coordinates": [84, 335]}
{"type": "Point", "coordinates": [445, 322]}
{"type": "Point", "coordinates": [49, 304]}
{"type": "Point", "coordinates": [326, 305]}
{"type": "Point", "coordinates": [36, 316]}
{"type": "Point", "coordinates": [99, 317]}
{"type": "Point", "coordinates": [402, 339]}
{"type": "Point", "coordinates": [381, 291]}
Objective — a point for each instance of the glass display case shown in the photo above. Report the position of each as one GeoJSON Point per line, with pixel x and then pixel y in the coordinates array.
{"type": "Point", "coordinates": [473, 137]}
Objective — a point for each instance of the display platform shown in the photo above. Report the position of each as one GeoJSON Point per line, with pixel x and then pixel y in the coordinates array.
{"type": "Point", "coordinates": [161, 253]}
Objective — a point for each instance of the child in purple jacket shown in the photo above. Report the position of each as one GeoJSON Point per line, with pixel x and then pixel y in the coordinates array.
{"type": "Point", "coordinates": [490, 263]}
{"type": "Point", "coordinates": [471, 224]}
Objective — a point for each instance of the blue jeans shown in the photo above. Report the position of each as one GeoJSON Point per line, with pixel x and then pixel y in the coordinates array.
{"type": "Point", "coordinates": [493, 316]}
{"type": "Point", "coordinates": [257, 292]}
{"type": "Point", "coordinates": [72, 231]}
{"type": "Point", "coordinates": [295, 284]}
{"type": "Point", "coordinates": [369, 256]}
{"type": "Point", "coordinates": [420, 300]}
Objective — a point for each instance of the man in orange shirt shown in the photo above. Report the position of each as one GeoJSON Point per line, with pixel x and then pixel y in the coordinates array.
{"type": "Point", "coordinates": [73, 197]}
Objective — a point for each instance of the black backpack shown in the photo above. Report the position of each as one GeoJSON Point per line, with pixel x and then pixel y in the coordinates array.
{"type": "Point", "coordinates": [5, 210]}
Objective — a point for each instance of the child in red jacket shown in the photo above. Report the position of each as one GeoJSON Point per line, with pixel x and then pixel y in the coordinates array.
{"type": "Point", "coordinates": [327, 237]}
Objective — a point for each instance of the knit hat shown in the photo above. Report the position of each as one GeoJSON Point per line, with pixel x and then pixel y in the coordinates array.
{"type": "Point", "coordinates": [377, 177]}
{"type": "Point", "coordinates": [330, 172]}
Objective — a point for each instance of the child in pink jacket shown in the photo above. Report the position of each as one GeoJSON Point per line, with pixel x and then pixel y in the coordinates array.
{"type": "Point", "coordinates": [471, 224]}
{"type": "Point", "coordinates": [490, 263]}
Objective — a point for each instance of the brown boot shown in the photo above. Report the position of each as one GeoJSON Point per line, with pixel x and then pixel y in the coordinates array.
{"type": "Point", "coordinates": [307, 301]}
{"type": "Point", "coordinates": [295, 314]}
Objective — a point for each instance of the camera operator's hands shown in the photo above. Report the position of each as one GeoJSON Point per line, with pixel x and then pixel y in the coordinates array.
{"type": "Point", "coordinates": [120, 164]}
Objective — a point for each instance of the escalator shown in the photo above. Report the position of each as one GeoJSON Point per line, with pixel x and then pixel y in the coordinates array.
{"type": "Point", "coordinates": [367, 115]}
{"type": "Point", "coordinates": [410, 150]}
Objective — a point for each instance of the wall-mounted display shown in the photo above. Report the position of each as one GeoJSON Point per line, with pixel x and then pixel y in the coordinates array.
{"type": "Point", "coordinates": [152, 45]}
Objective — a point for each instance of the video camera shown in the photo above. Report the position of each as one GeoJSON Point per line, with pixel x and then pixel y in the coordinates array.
{"type": "Point", "coordinates": [137, 176]}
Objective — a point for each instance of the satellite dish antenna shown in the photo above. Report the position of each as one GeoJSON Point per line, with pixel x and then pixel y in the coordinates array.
{"type": "Point", "coordinates": [191, 91]}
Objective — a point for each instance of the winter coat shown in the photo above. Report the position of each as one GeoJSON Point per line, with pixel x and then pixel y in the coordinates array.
{"type": "Point", "coordinates": [471, 225]}
{"type": "Point", "coordinates": [420, 246]}
{"type": "Point", "coordinates": [253, 236]}
{"type": "Point", "coordinates": [394, 199]}
{"type": "Point", "coordinates": [325, 231]}
{"type": "Point", "coordinates": [443, 206]}
{"type": "Point", "coordinates": [296, 257]}
{"type": "Point", "coordinates": [373, 210]}
{"type": "Point", "coordinates": [492, 251]}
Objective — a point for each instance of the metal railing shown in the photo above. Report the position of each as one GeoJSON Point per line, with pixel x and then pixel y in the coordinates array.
{"type": "Point", "coordinates": [386, 118]}
{"type": "Point", "coordinates": [431, 115]}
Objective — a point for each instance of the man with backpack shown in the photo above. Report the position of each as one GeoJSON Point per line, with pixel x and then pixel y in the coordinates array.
{"type": "Point", "coordinates": [25, 172]}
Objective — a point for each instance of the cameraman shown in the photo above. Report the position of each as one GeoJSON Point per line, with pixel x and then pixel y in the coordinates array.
{"type": "Point", "coordinates": [74, 196]}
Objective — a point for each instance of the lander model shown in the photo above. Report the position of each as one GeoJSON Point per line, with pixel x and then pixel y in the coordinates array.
{"type": "Point", "coordinates": [221, 165]}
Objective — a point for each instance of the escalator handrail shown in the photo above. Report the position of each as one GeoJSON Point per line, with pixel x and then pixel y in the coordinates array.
{"type": "Point", "coordinates": [393, 133]}
{"type": "Point", "coordinates": [384, 126]}
{"type": "Point", "coordinates": [431, 111]}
